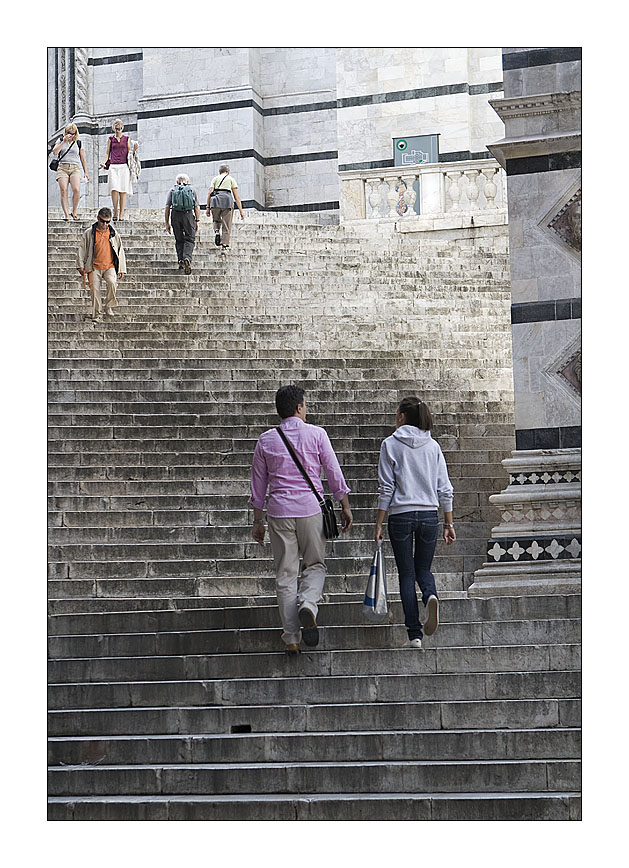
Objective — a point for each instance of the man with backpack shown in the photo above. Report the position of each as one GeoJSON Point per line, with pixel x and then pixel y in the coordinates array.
{"type": "Point", "coordinates": [183, 202]}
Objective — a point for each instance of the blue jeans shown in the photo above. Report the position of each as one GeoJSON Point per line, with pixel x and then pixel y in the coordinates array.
{"type": "Point", "coordinates": [413, 537]}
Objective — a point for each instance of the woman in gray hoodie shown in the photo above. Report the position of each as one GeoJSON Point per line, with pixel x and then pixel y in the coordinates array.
{"type": "Point", "coordinates": [412, 483]}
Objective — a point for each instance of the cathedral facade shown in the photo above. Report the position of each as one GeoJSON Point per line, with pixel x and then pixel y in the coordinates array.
{"type": "Point", "coordinates": [290, 121]}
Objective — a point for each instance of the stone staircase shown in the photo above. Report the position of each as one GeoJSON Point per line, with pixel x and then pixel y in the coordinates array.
{"type": "Point", "coordinates": [170, 696]}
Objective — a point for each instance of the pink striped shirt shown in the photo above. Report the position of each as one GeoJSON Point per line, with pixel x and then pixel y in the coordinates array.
{"type": "Point", "coordinates": [290, 496]}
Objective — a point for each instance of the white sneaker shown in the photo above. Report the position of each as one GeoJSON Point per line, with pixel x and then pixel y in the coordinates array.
{"type": "Point", "coordinates": [413, 643]}
{"type": "Point", "coordinates": [432, 619]}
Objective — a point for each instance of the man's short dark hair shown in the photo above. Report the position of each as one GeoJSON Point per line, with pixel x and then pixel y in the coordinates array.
{"type": "Point", "coordinates": [287, 400]}
{"type": "Point", "coordinates": [105, 212]}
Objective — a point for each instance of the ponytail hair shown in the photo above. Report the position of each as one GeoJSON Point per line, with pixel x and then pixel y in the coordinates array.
{"type": "Point", "coordinates": [416, 412]}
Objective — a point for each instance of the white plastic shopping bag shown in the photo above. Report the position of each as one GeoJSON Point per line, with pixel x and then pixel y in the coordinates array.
{"type": "Point", "coordinates": [375, 602]}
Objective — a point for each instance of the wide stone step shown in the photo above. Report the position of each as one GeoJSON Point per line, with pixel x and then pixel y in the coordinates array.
{"type": "Point", "coordinates": [206, 389]}
{"type": "Point", "coordinates": [484, 744]}
{"type": "Point", "coordinates": [173, 564]}
{"type": "Point", "coordinates": [129, 329]}
{"type": "Point", "coordinates": [162, 412]}
{"type": "Point", "coordinates": [319, 777]}
{"type": "Point", "coordinates": [210, 586]}
{"type": "Point", "coordinates": [325, 368]}
{"type": "Point", "coordinates": [323, 806]}
{"type": "Point", "coordinates": [180, 428]}
{"type": "Point", "coordinates": [230, 533]}
{"type": "Point", "coordinates": [353, 463]}
{"type": "Point", "coordinates": [237, 519]}
{"type": "Point", "coordinates": [332, 636]}
{"type": "Point", "coordinates": [224, 613]}
{"type": "Point", "coordinates": [361, 479]}
{"type": "Point", "coordinates": [535, 658]}
{"type": "Point", "coordinates": [170, 353]}
{"type": "Point", "coordinates": [111, 452]}
{"type": "Point", "coordinates": [281, 717]}
{"type": "Point", "coordinates": [457, 608]}
{"type": "Point", "coordinates": [329, 689]}
{"type": "Point", "coordinates": [164, 318]}
{"type": "Point", "coordinates": [346, 552]}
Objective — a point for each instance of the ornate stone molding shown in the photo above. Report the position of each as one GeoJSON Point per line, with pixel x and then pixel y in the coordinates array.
{"type": "Point", "coordinates": [536, 548]}
{"type": "Point", "coordinates": [536, 105]}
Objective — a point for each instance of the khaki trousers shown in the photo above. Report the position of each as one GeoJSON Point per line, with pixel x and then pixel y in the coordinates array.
{"type": "Point", "coordinates": [97, 277]}
{"type": "Point", "coordinates": [222, 218]}
{"type": "Point", "coordinates": [292, 538]}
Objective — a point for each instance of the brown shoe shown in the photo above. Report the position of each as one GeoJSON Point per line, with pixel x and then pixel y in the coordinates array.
{"type": "Point", "coordinates": [293, 649]}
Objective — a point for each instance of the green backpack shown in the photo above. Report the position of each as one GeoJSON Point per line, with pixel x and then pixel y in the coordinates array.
{"type": "Point", "coordinates": [182, 198]}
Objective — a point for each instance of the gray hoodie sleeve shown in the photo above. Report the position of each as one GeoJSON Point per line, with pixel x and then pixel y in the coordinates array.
{"type": "Point", "coordinates": [386, 479]}
{"type": "Point", "coordinates": [445, 491]}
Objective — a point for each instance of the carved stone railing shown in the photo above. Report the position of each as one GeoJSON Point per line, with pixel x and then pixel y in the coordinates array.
{"type": "Point", "coordinates": [465, 187]}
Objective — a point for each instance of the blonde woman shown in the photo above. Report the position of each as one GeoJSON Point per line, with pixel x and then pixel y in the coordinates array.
{"type": "Point", "coordinates": [71, 157]}
{"type": "Point", "coordinates": [116, 160]}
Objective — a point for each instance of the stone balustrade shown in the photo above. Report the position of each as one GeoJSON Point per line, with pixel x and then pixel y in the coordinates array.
{"type": "Point", "coordinates": [425, 191]}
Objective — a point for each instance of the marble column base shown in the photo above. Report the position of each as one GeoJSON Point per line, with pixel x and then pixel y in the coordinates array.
{"type": "Point", "coordinates": [536, 549]}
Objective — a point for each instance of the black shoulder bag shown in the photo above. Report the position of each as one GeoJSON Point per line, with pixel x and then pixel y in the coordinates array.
{"type": "Point", "coordinates": [330, 526]}
{"type": "Point", "coordinates": [53, 165]}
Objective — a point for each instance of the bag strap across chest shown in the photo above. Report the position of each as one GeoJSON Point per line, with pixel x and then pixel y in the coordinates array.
{"type": "Point", "coordinates": [300, 466]}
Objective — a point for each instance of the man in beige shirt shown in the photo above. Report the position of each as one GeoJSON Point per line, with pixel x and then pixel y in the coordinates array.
{"type": "Point", "coordinates": [220, 203]}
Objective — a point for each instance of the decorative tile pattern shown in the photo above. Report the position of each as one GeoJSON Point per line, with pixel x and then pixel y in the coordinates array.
{"type": "Point", "coordinates": [518, 514]}
{"type": "Point", "coordinates": [537, 548]}
{"type": "Point", "coordinates": [556, 478]}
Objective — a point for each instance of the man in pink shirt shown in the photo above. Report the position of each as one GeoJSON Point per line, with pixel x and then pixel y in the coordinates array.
{"type": "Point", "coordinates": [293, 512]}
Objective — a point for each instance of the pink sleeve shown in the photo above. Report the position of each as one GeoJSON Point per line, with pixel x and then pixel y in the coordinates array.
{"type": "Point", "coordinates": [332, 468]}
{"type": "Point", "coordinates": [259, 478]}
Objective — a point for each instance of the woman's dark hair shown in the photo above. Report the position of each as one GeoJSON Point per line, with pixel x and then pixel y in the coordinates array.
{"type": "Point", "coordinates": [287, 399]}
{"type": "Point", "coordinates": [416, 412]}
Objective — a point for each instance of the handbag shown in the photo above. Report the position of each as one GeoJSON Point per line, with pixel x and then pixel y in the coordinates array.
{"type": "Point", "coordinates": [53, 165]}
{"type": "Point", "coordinates": [222, 199]}
{"type": "Point", "coordinates": [330, 526]}
{"type": "Point", "coordinates": [375, 603]}
{"type": "Point", "coordinates": [135, 167]}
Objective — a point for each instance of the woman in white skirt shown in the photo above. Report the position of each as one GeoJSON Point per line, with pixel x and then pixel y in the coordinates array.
{"type": "Point", "coordinates": [116, 160]}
